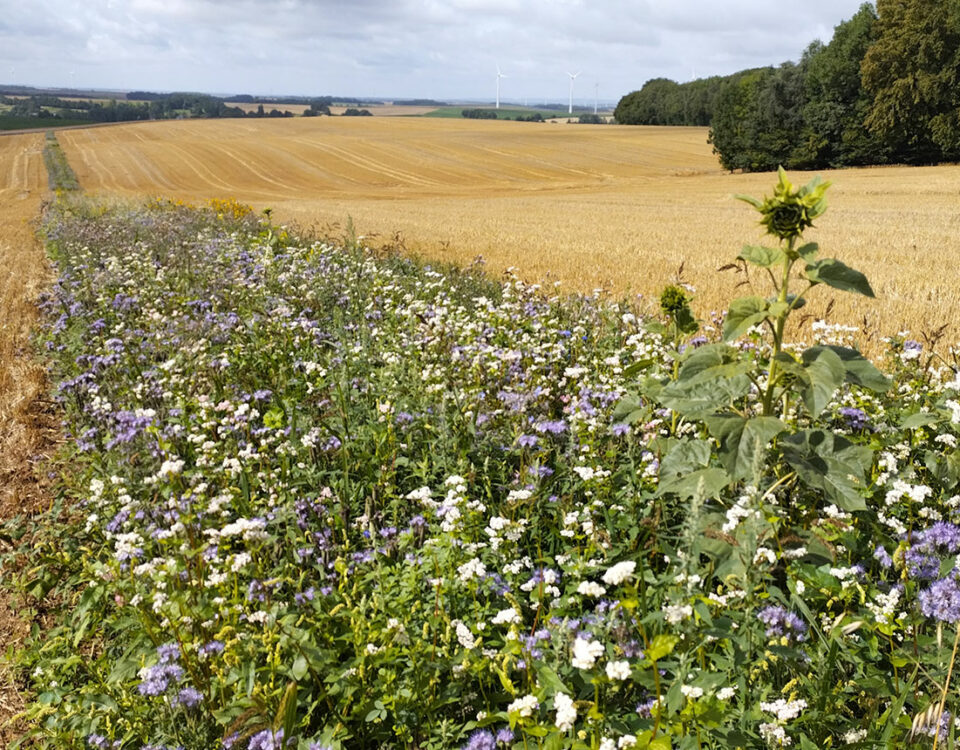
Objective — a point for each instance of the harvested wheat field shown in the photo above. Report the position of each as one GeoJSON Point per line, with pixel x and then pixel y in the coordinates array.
{"type": "Point", "coordinates": [592, 206]}
{"type": "Point", "coordinates": [24, 425]}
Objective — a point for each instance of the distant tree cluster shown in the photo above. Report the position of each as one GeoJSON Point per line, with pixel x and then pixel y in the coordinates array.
{"type": "Point", "coordinates": [354, 112]}
{"type": "Point", "coordinates": [591, 119]}
{"type": "Point", "coordinates": [479, 114]}
{"type": "Point", "coordinates": [886, 89]}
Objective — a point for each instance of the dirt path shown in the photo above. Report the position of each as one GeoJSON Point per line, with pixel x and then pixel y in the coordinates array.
{"type": "Point", "coordinates": [27, 428]}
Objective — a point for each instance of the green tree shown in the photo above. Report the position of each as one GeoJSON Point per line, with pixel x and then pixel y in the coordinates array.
{"type": "Point", "coordinates": [837, 105]}
{"type": "Point", "coordinates": [912, 71]}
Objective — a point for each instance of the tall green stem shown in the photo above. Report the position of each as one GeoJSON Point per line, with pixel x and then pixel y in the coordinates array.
{"type": "Point", "coordinates": [781, 324]}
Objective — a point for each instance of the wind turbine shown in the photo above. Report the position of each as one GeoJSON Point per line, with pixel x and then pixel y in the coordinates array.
{"type": "Point", "coordinates": [499, 76]}
{"type": "Point", "coordinates": [596, 97]}
{"type": "Point", "coordinates": [573, 77]}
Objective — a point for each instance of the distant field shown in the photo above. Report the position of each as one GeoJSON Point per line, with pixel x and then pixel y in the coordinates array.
{"type": "Point", "coordinates": [503, 113]}
{"type": "Point", "coordinates": [382, 110]}
{"type": "Point", "coordinates": [614, 206]}
{"type": "Point", "coordinates": [23, 123]}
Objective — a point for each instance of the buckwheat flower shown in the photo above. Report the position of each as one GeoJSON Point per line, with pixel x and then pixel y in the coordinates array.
{"type": "Point", "coordinates": [607, 744]}
{"type": "Point", "coordinates": [677, 613]}
{"type": "Point", "coordinates": [586, 653]}
{"type": "Point", "coordinates": [619, 572]}
{"type": "Point", "coordinates": [618, 670]}
{"type": "Point", "coordinates": [627, 740]}
{"type": "Point", "coordinates": [726, 693]}
{"type": "Point", "coordinates": [590, 588]}
{"type": "Point", "coordinates": [524, 706]}
{"type": "Point", "coordinates": [464, 636]}
{"type": "Point", "coordinates": [783, 709]}
{"type": "Point", "coordinates": [854, 735]}
{"type": "Point", "coordinates": [775, 734]}
{"type": "Point", "coordinates": [691, 692]}
{"type": "Point", "coordinates": [506, 616]}
{"type": "Point", "coordinates": [566, 712]}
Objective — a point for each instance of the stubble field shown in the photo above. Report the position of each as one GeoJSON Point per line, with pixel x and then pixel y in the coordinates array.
{"type": "Point", "coordinates": [592, 206]}
{"type": "Point", "coordinates": [24, 429]}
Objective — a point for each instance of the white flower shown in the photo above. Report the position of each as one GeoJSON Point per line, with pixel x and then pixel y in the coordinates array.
{"type": "Point", "coordinates": [506, 616]}
{"type": "Point", "coordinates": [854, 735]}
{"type": "Point", "coordinates": [774, 734]}
{"type": "Point", "coordinates": [628, 740]}
{"type": "Point", "coordinates": [524, 706]}
{"type": "Point", "coordinates": [619, 572]}
{"type": "Point", "coordinates": [471, 569]}
{"type": "Point", "coordinates": [618, 670]}
{"type": "Point", "coordinates": [676, 613]}
{"type": "Point", "coordinates": [726, 693]}
{"type": "Point", "coordinates": [607, 744]}
{"type": "Point", "coordinates": [784, 710]}
{"type": "Point", "coordinates": [691, 692]}
{"type": "Point", "coordinates": [566, 712]}
{"type": "Point", "coordinates": [585, 653]}
{"type": "Point", "coordinates": [464, 636]}
{"type": "Point", "coordinates": [589, 588]}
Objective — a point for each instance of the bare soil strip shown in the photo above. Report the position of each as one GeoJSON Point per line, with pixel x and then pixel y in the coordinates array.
{"type": "Point", "coordinates": [27, 426]}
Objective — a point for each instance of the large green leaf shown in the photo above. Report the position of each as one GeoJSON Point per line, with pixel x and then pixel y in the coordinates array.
{"type": "Point", "coordinates": [704, 483]}
{"type": "Point", "coordinates": [744, 312]}
{"type": "Point", "coordinates": [918, 419]}
{"type": "Point", "coordinates": [824, 372]}
{"type": "Point", "coordinates": [830, 463]}
{"type": "Point", "coordinates": [860, 370]}
{"type": "Point", "coordinates": [838, 275]}
{"type": "Point", "coordinates": [743, 442]}
{"type": "Point", "coordinates": [685, 456]}
{"type": "Point", "coordinates": [808, 252]}
{"type": "Point", "coordinates": [762, 256]}
{"type": "Point", "coordinates": [707, 359]}
{"type": "Point", "coordinates": [699, 399]}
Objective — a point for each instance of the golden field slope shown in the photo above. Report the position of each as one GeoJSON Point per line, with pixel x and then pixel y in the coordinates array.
{"type": "Point", "coordinates": [593, 206]}
{"type": "Point", "coordinates": [25, 425]}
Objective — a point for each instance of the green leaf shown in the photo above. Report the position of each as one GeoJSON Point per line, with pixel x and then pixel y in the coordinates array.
{"type": "Point", "coordinates": [662, 645]}
{"type": "Point", "coordinates": [762, 256]}
{"type": "Point", "coordinates": [838, 275]}
{"type": "Point", "coordinates": [918, 419]}
{"type": "Point", "coordinates": [685, 456]}
{"type": "Point", "coordinates": [808, 251]}
{"type": "Point", "coordinates": [299, 668]}
{"type": "Point", "coordinates": [743, 441]}
{"type": "Point", "coordinates": [860, 370]}
{"type": "Point", "coordinates": [825, 372]}
{"type": "Point", "coordinates": [705, 483]}
{"type": "Point", "coordinates": [701, 364]}
{"type": "Point", "coordinates": [744, 312]}
{"type": "Point", "coordinates": [550, 679]}
{"type": "Point", "coordinates": [697, 400]}
{"type": "Point", "coordinates": [830, 463]}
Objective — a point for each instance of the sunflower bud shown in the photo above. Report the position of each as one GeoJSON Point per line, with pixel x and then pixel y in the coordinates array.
{"type": "Point", "coordinates": [790, 211]}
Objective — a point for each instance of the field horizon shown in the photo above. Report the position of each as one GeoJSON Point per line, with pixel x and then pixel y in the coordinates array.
{"type": "Point", "coordinates": [619, 208]}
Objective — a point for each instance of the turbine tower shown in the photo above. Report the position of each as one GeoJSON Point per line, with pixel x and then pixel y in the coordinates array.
{"type": "Point", "coordinates": [573, 77]}
{"type": "Point", "coordinates": [499, 76]}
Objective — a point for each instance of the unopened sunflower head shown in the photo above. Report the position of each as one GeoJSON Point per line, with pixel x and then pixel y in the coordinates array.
{"type": "Point", "coordinates": [790, 211]}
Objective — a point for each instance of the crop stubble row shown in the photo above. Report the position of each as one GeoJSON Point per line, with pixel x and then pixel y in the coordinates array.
{"type": "Point", "coordinates": [591, 206]}
{"type": "Point", "coordinates": [24, 425]}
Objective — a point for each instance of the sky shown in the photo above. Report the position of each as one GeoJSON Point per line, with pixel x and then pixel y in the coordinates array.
{"type": "Point", "coordinates": [437, 49]}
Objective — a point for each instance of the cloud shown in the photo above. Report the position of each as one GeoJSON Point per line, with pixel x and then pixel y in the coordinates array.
{"type": "Point", "coordinates": [401, 48]}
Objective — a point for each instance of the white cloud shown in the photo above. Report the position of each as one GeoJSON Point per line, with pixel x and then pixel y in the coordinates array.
{"type": "Point", "coordinates": [403, 48]}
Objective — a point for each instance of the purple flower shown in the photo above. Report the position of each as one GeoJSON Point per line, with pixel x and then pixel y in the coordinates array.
{"type": "Point", "coordinates": [481, 739]}
{"type": "Point", "coordinates": [929, 547]}
{"type": "Point", "coordinates": [267, 740]}
{"type": "Point", "coordinates": [941, 601]}
{"type": "Point", "coordinates": [855, 419]}
{"type": "Point", "coordinates": [189, 697]}
{"type": "Point", "coordinates": [527, 441]}
{"type": "Point", "coordinates": [620, 429]}
{"type": "Point", "coordinates": [882, 557]}
{"type": "Point", "coordinates": [781, 622]}
{"type": "Point", "coordinates": [159, 678]}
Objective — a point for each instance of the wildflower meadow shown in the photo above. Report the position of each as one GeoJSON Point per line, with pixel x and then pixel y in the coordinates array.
{"type": "Point", "coordinates": [317, 497]}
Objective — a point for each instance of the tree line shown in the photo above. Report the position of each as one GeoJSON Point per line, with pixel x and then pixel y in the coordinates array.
{"type": "Point", "coordinates": [886, 89]}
